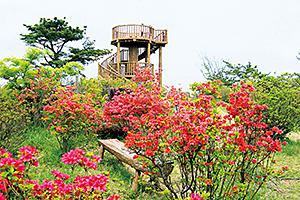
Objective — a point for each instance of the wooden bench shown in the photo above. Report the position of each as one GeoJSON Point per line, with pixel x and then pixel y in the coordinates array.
{"type": "Point", "coordinates": [118, 149]}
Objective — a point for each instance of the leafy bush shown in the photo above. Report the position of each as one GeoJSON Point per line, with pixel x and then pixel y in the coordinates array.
{"type": "Point", "coordinates": [15, 181]}
{"type": "Point", "coordinates": [13, 122]}
{"type": "Point", "coordinates": [219, 157]}
{"type": "Point", "coordinates": [282, 95]}
{"type": "Point", "coordinates": [100, 88]}
{"type": "Point", "coordinates": [102, 92]}
{"type": "Point", "coordinates": [40, 86]}
{"type": "Point", "coordinates": [72, 118]}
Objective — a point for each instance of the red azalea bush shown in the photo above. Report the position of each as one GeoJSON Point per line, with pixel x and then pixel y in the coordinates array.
{"type": "Point", "coordinates": [219, 157]}
{"type": "Point", "coordinates": [15, 182]}
{"type": "Point", "coordinates": [38, 88]}
{"type": "Point", "coordinates": [72, 118]}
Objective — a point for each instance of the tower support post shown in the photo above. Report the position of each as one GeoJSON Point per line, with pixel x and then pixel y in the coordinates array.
{"type": "Point", "coordinates": [118, 57]}
{"type": "Point", "coordinates": [160, 66]}
{"type": "Point", "coordinates": [148, 54]}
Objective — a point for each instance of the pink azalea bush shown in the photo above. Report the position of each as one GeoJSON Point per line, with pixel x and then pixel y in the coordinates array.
{"type": "Point", "coordinates": [76, 157]}
{"type": "Point", "coordinates": [16, 184]}
{"type": "Point", "coordinates": [71, 117]}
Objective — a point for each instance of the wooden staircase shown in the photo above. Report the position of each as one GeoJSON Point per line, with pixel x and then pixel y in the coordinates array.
{"type": "Point", "coordinates": [108, 68]}
{"type": "Point", "coordinates": [147, 40]}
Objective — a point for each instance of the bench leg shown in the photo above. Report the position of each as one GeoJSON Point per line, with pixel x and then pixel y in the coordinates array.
{"type": "Point", "coordinates": [101, 152]}
{"type": "Point", "coordinates": [136, 180]}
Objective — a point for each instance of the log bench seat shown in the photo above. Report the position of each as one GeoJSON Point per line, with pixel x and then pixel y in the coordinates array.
{"type": "Point", "coordinates": [122, 153]}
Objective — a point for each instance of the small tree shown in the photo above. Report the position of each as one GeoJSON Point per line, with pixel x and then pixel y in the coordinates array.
{"type": "Point", "coordinates": [282, 95]}
{"type": "Point", "coordinates": [19, 72]}
{"type": "Point", "coordinates": [228, 73]}
{"type": "Point", "coordinates": [56, 36]}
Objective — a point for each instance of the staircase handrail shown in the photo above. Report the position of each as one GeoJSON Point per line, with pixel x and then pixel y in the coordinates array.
{"type": "Point", "coordinates": [112, 71]}
{"type": "Point", "coordinates": [104, 63]}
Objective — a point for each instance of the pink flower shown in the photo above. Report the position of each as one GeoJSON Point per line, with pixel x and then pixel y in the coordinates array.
{"type": "Point", "coordinates": [5, 153]}
{"type": "Point", "coordinates": [195, 197]}
{"type": "Point", "coordinates": [97, 158]}
{"type": "Point", "coordinates": [73, 156]}
{"type": "Point", "coordinates": [28, 153]}
{"type": "Point", "coordinates": [77, 157]}
{"type": "Point", "coordinates": [149, 152]}
{"type": "Point", "coordinates": [96, 182]}
{"type": "Point", "coordinates": [17, 164]}
{"type": "Point", "coordinates": [2, 197]}
{"type": "Point", "coordinates": [60, 175]}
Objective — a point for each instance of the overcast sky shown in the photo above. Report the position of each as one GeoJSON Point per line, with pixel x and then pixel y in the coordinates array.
{"type": "Point", "coordinates": [263, 32]}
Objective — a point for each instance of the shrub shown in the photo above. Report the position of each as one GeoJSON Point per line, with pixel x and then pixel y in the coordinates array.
{"type": "Point", "coordinates": [99, 87]}
{"type": "Point", "coordinates": [282, 95]}
{"type": "Point", "coordinates": [219, 157]}
{"type": "Point", "coordinates": [13, 122]}
{"type": "Point", "coordinates": [72, 118]}
{"type": "Point", "coordinates": [40, 86]}
{"type": "Point", "coordinates": [16, 183]}
{"type": "Point", "coordinates": [102, 90]}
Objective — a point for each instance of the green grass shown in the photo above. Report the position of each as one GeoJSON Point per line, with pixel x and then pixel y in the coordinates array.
{"type": "Point", "coordinates": [121, 175]}
{"type": "Point", "coordinates": [288, 185]}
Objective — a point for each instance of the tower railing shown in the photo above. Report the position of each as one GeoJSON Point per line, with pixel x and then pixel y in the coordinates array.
{"type": "Point", "coordinates": [127, 69]}
{"type": "Point", "coordinates": [140, 32]}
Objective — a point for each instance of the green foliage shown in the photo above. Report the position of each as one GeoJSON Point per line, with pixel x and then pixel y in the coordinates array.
{"type": "Point", "coordinates": [229, 74]}
{"type": "Point", "coordinates": [48, 146]}
{"type": "Point", "coordinates": [237, 73]}
{"type": "Point", "coordinates": [13, 122]}
{"type": "Point", "coordinates": [16, 70]}
{"type": "Point", "coordinates": [56, 35]}
{"type": "Point", "coordinates": [100, 88]}
{"type": "Point", "coordinates": [282, 95]}
{"type": "Point", "coordinates": [20, 71]}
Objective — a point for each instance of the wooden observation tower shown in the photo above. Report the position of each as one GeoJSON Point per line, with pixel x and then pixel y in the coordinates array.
{"type": "Point", "coordinates": [135, 43]}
